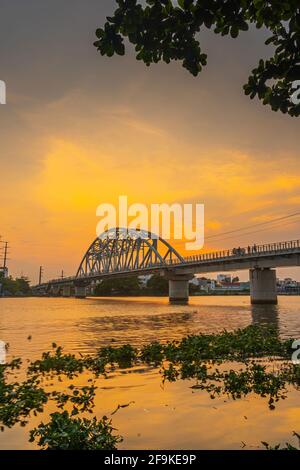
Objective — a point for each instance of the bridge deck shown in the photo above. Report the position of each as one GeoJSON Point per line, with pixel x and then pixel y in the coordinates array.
{"type": "Point", "coordinates": [281, 254]}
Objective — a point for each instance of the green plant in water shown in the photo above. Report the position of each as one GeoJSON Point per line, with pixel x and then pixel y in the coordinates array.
{"type": "Point", "coordinates": [81, 399]}
{"type": "Point", "coordinates": [252, 341]}
{"type": "Point", "coordinates": [152, 353]}
{"type": "Point", "coordinates": [17, 400]}
{"type": "Point", "coordinates": [57, 363]}
{"type": "Point", "coordinates": [63, 432]}
{"type": "Point", "coordinates": [123, 356]}
{"type": "Point", "coordinates": [287, 446]}
{"type": "Point", "coordinates": [200, 357]}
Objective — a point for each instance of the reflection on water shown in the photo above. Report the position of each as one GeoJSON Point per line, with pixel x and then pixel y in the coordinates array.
{"type": "Point", "coordinates": [169, 416]}
{"type": "Point", "coordinates": [266, 314]}
{"type": "Point", "coordinates": [83, 325]}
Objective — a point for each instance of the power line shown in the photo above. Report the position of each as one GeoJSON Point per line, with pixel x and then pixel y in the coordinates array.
{"type": "Point", "coordinates": [262, 230]}
{"type": "Point", "coordinates": [252, 225]}
{"type": "Point", "coordinates": [181, 242]}
{"type": "Point", "coordinates": [273, 221]}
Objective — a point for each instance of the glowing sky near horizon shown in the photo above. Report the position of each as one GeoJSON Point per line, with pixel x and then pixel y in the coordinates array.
{"type": "Point", "coordinates": [79, 130]}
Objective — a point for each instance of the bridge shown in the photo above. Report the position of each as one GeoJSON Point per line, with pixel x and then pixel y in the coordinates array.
{"type": "Point", "coordinates": [126, 252]}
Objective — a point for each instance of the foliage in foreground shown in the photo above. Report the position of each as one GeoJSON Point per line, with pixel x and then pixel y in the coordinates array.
{"type": "Point", "coordinates": [287, 446]}
{"type": "Point", "coordinates": [167, 30]}
{"type": "Point", "coordinates": [66, 433]}
{"type": "Point", "coordinates": [234, 364]}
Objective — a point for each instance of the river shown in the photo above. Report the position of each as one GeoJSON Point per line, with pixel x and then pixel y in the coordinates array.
{"type": "Point", "coordinates": [160, 416]}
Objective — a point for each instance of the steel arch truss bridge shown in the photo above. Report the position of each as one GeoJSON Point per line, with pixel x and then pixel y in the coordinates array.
{"type": "Point", "coordinates": [122, 249]}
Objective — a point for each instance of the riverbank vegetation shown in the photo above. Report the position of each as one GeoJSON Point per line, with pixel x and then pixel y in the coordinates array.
{"type": "Point", "coordinates": [132, 286]}
{"type": "Point", "coordinates": [128, 286]}
{"type": "Point", "coordinates": [18, 287]}
{"type": "Point", "coordinates": [232, 364]}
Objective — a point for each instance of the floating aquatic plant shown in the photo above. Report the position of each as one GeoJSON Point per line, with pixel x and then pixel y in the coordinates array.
{"type": "Point", "coordinates": [63, 432]}
{"type": "Point", "coordinates": [234, 364]}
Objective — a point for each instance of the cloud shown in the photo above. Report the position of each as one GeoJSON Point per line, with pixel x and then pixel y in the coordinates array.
{"type": "Point", "coordinates": [81, 129]}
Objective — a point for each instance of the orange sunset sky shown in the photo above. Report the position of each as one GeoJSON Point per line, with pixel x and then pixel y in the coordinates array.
{"type": "Point", "coordinates": [79, 130]}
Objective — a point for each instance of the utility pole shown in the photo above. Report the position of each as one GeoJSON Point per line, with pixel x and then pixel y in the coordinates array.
{"type": "Point", "coordinates": [40, 275]}
{"type": "Point", "coordinates": [1, 286]}
{"type": "Point", "coordinates": [62, 274]}
{"type": "Point", "coordinates": [5, 255]}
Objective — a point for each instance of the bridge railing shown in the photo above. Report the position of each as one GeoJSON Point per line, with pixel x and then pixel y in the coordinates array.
{"type": "Point", "coordinates": [249, 251]}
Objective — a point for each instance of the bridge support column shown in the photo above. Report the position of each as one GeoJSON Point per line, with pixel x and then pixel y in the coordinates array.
{"type": "Point", "coordinates": [66, 291]}
{"type": "Point", "coordinates": [55, 291]}
{"type": "Point", "coordinates": [263, 289]}
{"type": "Point", "coordinates": [80, 292]}
{"type": "Point", "coordinates": [179, 288]}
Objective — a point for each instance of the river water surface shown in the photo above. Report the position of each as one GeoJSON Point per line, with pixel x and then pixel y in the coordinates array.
{"type": "Point", "coordinates": [160, 416]}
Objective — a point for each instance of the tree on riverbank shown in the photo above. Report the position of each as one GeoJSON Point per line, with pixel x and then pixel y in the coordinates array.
{"type": "Point", "coordinates": [131, 286]}
{"type": "Point", "coordinates": [15, 287]}
{"type": "Point", "coordinates": [158, 285]}
{"type": "Point", "coordinates": [165, 30]}
{"type": "Point", "coordinates": [123, 286]}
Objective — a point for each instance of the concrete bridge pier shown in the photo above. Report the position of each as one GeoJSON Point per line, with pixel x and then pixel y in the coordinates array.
{"type": "Point", "coordinates": [80, 292]}
{"type": "Point", "coordinates": [55, 291]}
{"type": "Point", "coordinates": [263, 289]}
{"type": "Point", "coordinates": [66, 291]}
{"type": "Point", "coordinates": [179, 288]}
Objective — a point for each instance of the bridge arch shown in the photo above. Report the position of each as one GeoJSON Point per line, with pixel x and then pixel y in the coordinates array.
{"type": "Point", "coordinates": [123, 249]}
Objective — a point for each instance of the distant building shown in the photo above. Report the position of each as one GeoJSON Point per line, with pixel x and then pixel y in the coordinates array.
{"type": "Point", "coordinates": [245, 285]}
{"type": "Point", "coordinates": [225, 283]}
{"type": "Point", "coordinates": [288, 286]}
{"type": "Point", "coordinates": [195, 281]}
{"type": "Point", "coordinates": [233, 286]}
{"type": "Point", "coordinates": [203, 283]}
{"type": "Point", "coordinates": [224, 278]}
